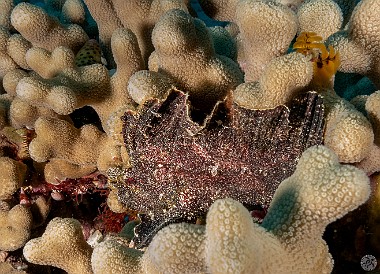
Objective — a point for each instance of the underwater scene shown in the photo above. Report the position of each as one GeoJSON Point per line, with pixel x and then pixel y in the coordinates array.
{"type": "Point", "coordinates": [189, 136]}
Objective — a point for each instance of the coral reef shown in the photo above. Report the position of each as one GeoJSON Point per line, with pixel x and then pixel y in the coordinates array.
{"type": "Point", "coordinates": [150, 113]}
{"type": "Point", "coordinates": [320, 191]}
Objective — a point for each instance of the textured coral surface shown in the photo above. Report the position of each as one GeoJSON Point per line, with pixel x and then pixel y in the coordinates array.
{"type": "Point", "coordinates": [178, 136]}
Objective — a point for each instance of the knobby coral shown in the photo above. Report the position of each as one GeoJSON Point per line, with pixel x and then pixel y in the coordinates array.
{"type": "Point", "coordinates": [176, 160]}
{"type": "Point", "coordinates": [289, 240]}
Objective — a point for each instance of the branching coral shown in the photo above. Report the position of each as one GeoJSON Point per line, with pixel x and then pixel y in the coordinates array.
{"type": "Point", "coordinates": [44, 31]}
{"type": "Point", "coordinates": [283, 78]}
{"type": "Point", "coordinates": [371, 163]}
{"type": "Point", "coordinates": [62, 245]}
{"type": "Point", "coordinates": [15, 226]}
{"type": "Point", "coordinates": [172, 160]}
{"type": "Point", "coordinates": [184, 52]}
{"type": "Point", "coordinates": [266, 31]}
{"type": "Point", "coordinates": [359, 45]}
{"type": "Point", "coordinates": [289, 239]}
{"type": "Point", "coordinates": [113, 14]}
{"type": "Point", "coordinates": [12, 176]}
{"type": "Point", "coordinates": [321, 16]}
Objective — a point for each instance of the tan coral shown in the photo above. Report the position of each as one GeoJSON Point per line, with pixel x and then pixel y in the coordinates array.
{"type": "Point", "coordinates": [62, 245]}
{"type": "Point", "coordinates": [282, 79]}
{"type": "Point", "coordinates": [288, 241]}
{"type": "Point", "coordinates": [266, 31]}
{"type": "Point", "coordinates": [12, 176]}
{"type": "Point", "coordinates": [113, 257]}
{"type": "Point", "coordinates": [6, 7]}
{"type": "Point", "coordinates": [348, 132]}
{"type": "Point", "coordinates": [73, 11]}
{"type": "Point", "coordinates": [15, 226]}
{"type": "Point", "coordinates": [320, 16]}
{"type": "Point", "coordinates": [48, 64]}
{"type": "Point", "coordinates": [70, 87]}
{"type": "Point", "coordinates": [185, 53]}
{"type": "Point", "coordinates": [42, 30]}
{"type": "Point", "coordinates": [146, 84]}
{"type": "Point", "coordinates": [60, 139]}
{"type": "Point", "coordinates": [113, 14]}
{"type": "Point", "coordinates": [6, 62]}
{"type": "Point", "coordinates": [371, 163]}
{"type": "Point", "coordinates": [359, 46]}
{"type": "Point", "coordinates": [176, 249]}
{"type": "Point", "coordinates": [57, 170]}
{"type": "Point", "coordinates": [222, 10]}
{"type": "Point", "coordinates": [23, 114]}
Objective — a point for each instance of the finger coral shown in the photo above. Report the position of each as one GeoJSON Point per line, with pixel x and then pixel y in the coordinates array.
{"type": "Point", "coordinates": [359, 45]}
{"type": "Point", "coordinates": [12, 176]}
{"type": "Point", "coordinates": [290, 238]}
{"type": "Point", "coordinates": [62, 245]}
{"type": "Point", "coordinates": [44, 31]}
{"type": "Point", "coordinates": [113, 14]}
{"type": "Point", "coordinates": [283, 78]}
{"type": "Point", "coordinates": [321, 16]}
{"type": "Point", "coordinates": [207, 77]}
{"type": "Point", "coordinates": [15, 226]}
{"type": "Point", "coordinates": [371, 163]}
{"type": "Point", "coordinates": [266, 31]}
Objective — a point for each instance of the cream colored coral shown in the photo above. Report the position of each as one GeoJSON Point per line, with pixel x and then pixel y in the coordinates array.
{"type": "Point", "coordinates": [60, 139]}
{"type": "Point", "coordinates": [146, 84]}
{"type": "Point", "coordinates": [62, 245]}
{"type": "Point", "coordinates": [6, 62]}
{"type": "Point", "coordinates": [15, 226]}
{"type": "Point", "coordinates": [348, 132]}
{"type": "Point", "coordinates": [176, 249]}
{"type": "Point", "coordinates": [266, 31]}
{"type": "Point", "coordinates": [289, 240]}
{"type": "Point", "coordinates": [73, 11]}
{"type": "Point", "coordinates": [11, 80]}
{"type": "Point", "coordinates": [112, 14]}
{"type": "Point", "coordinates": [323, 17]}
{"type": "Point", "coordinates": [57, 170]}
{"type": "Point", "coordinates": [371, 163]}
{"type": "Point", "coordinates": [282, 79]}
{"type": "Point", "coordinates": [70, 87]}
{"type": "Point", "coordinates": [6, 7]}
{"type": "Point", "coordinates": [17, 46]}
{"type": "Point", "coordinates": [12, 176]}
{"type": "Point", "coordinates": [185, 53]}
{"type": "Point", "coordinates": [113, 257]}
{"type": "Point", "coordinates": [222, 10]}
{"type": "Point", "coordinates": [35, 25]}
{"type": "Point", "coordinates": [361, 41]}
{"type": "Point", "coordinates": [24, 114]}
{"type": "Point", "coordinates": [49, 64]}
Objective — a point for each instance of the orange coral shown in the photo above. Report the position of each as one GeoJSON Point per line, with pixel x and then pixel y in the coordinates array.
{"type": "Point", "coordinates": [325, 62]}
